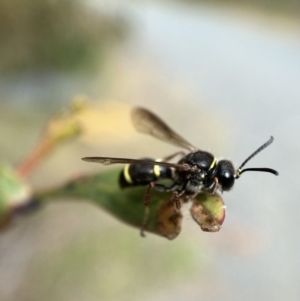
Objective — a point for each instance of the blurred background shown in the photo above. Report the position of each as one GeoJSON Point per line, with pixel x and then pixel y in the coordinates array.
{"type": "Point", "coordinates": [224, 74]}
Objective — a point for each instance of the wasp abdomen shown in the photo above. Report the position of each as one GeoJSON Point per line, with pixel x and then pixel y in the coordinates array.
{"type": "Point", "coordinates": [135, 174]}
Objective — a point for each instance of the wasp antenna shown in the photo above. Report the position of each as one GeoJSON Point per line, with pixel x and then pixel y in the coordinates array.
{"type": "Point", "coordinates": [262, 169]}
{"type": "Point", "coordinates": [241, 170]}
{"type": "Point", "coordinates": [257, 151]}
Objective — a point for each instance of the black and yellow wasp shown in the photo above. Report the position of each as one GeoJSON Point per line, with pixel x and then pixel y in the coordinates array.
{"type": "Point", "coordinates": [197, 171]}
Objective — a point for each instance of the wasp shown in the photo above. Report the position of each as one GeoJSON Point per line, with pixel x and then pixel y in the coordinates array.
{"type": "Point", "coordinates": [138, 175]}
{"type": "Point", "coordinates": [196, 172]}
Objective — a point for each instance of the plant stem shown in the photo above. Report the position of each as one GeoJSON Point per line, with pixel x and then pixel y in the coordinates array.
{"type": "Point", "coordinates": [34, 158]}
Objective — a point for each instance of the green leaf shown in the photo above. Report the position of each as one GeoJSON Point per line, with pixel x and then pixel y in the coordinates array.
{"type": "Point", "coordinates": [128, 205]}
{"type": "Point", "coordinates": [14, 194]}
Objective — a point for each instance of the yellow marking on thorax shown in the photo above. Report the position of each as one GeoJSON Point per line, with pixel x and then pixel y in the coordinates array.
{"type": "Point", "coordinates": [213, 163]}
{"type": "Point", "coordinates": [126, 174]}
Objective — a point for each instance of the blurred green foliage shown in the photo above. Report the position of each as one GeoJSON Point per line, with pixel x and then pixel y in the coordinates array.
{"type": "Point", "coordinates": [54, 35]}
{"type": "Point", "coordinates": [14, 194]}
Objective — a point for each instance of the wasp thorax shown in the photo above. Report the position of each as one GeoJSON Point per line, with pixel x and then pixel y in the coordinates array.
{"type": "Point", "coordinates": [203, 160]}
{"type": "Point", "coordinates": [225, 174]}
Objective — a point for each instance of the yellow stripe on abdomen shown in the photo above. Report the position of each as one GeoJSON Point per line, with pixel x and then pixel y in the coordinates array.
{"type": "Point", "coordinates": [127, 175]}
{"type": "Point", "coordinates": [156, 169]}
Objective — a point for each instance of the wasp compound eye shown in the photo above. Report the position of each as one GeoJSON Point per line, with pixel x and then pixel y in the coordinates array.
{"type": "Point", "coordinates": [225, 174]}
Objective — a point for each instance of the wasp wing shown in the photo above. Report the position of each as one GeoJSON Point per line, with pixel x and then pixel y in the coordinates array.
{"type": "Point", "coordinates": [109, 161]}
{"type": "Point", "coordinates": [146, 122]}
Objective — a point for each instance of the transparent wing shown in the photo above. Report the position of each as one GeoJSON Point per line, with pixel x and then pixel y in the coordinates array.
{"type": "Point", "coordinates": [109, 161]}
{"type": "Point", "coordinates": [146, 122]}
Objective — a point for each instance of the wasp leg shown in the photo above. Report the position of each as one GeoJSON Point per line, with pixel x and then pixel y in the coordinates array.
{"type": "Point", "coordinates": [158, 187]}
{"type": "Point", "coordinates": [176, 192]}
{"type": "Point", "coordinates": [146, 211]}
{"type": "Point", "coordinates": [175, 199]}
{"type": "Point", "coordinates": [214, 185]}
